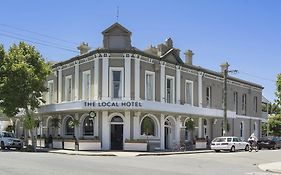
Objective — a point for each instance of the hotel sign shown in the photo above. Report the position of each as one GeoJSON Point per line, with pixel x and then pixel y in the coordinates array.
{"type": "Point", "coordinates": [109, 104]}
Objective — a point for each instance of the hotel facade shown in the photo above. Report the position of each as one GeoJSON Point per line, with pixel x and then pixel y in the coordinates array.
{"type": "Point", "coordinates": [118, 94]}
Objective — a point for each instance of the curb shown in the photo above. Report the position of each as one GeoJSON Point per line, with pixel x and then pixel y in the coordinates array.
{"type": "Point", "coordinates": [173, 153]}
{"type": "Point", "coordinates": [137, 155]}
{"type": "Point", "coordinates": [79, 154]}
{"type": "Point", "coordinates": [265, 167]}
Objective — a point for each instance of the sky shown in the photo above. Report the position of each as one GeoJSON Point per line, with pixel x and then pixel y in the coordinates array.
{"type": "Point", "coordinates": [245, 33]}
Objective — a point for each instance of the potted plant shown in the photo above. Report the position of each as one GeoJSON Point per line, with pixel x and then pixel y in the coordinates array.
{"type": "Point", "coordinates": [135, 145]}
{"type": "Point", "coordinates": [201, 143]}
{"type": "Point", "coordinates": [90, 144]}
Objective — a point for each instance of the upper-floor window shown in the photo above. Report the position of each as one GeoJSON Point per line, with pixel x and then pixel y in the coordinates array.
{"type": "Point", "coordinates": [170, 89]}
{"type": "Point", "coordinates": [68, 88]}
{"type": "Point", "coordinates": [244, 104]}
{"type": "Point", "coordinates": [189, 92]}
{"type": "Point", "coordinates": [209, 96]}
{"type": "Point", "coordinates": [116, 79]}
{"type": "Point", "coordinates": [86, 89]}
{"type": "Point", "coordinates": [50, 94]}
{"type": "Point", "coordinates": [149, 85]}
{"type": "Point", "coordinates": [235, 102]}
{"type": "Point", "coordinates": [255, 104]}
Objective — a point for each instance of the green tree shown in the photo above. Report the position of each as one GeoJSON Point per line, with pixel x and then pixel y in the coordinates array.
{"type": "Point", "coordinates": [190, 126]}
{"type": "Point", "coordinates": [274, 122]}
{"type": "Point", "coordinates": [278, 89]}
{"type": "Point", "coordinates": [22, 82]}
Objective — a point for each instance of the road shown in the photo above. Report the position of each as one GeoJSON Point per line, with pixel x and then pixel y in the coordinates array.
{"type": "Point", "coordinates": [225, 163]}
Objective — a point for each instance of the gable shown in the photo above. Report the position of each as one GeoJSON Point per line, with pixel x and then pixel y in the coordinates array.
{"type": "Point", "coordinates": [171, 57]}
{"type": "Point", "coordinates": [116, 28]}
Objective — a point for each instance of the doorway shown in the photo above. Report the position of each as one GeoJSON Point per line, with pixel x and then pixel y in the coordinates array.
{"type": "Point", "coordinates": [117, 133]}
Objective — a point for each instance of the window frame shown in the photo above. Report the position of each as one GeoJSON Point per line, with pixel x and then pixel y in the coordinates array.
{"type": "Point", "coordinates": [185, 90]}
{"type": "Point", "coordinates": [111, 91]}
{"type": "Point", "coordinates": [209, 98]}
{"type": "Point", "coordinates": [66, 85]}
{"type": "Point", "coordinates": [172, 80]}
{"type": "Point", "coordinates": [50, 95]}
{"type": "Point", "coordinates": [153, 84]}
{"type": "Point", "coordinates": [84, 81]}
{"type": "Point", "coordinates": [244, 104]}
{"type": "Point", "coordinates": [235, 101]}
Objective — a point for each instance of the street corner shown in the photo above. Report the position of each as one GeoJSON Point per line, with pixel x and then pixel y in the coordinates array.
{"type": "Point", "coordinates": [273, 167]}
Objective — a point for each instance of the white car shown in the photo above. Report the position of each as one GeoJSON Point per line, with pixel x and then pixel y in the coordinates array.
{"type": "Point", "coordinates": [229, 143]}
{"type": "Point", "coordinates": [8, 140]}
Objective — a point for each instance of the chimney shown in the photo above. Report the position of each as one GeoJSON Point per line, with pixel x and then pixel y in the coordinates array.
{"type": "Point", "coordinates": [188, 57]}
{"type": "Point", "coordinates": [224, 67]}
{"type": "Point", "coordinates": [84, 48]}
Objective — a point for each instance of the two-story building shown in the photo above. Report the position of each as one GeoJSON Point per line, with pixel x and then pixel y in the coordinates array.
{"type": "Point", "coordinates": [136, 94]}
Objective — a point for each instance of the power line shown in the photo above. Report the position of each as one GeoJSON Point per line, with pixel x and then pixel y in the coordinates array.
{"type": "Point", "coordinates": [255, 76]}
{"type": "Point", "coordinates": [32, 38]}
{"type": "Point", "coordinates": [44, 35]}
{"type": "Point", "coordinates": [40, 43]}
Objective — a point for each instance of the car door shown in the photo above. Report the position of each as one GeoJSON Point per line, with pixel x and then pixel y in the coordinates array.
{"type": "Point", "coordinates": [236, 143]}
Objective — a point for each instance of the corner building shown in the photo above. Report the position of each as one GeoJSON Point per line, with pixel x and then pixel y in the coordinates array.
{"type": "Point", "coordinates": [143, 94]}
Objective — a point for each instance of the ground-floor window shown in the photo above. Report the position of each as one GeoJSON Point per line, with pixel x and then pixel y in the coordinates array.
{"type": "Point", "coordinates": [88, 126]}
{"type": "Point", "coordinates": [148, 126]}
{"type": "Point", "coordinates": [69, 126]}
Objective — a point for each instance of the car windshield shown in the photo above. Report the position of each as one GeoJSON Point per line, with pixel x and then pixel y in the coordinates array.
{"type": "Point", "coordinates": [8, 134]}
{"type": "Point", "coordinates": [219, 139]}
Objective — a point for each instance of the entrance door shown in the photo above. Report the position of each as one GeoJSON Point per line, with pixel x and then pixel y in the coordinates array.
{"type": "Point", "coordinates": [117, 136]}
{"type": "Point", "coordinates": [167, 137]}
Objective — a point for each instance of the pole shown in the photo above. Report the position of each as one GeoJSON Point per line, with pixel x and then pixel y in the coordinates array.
{"type": "Point", "coordinates": [225, 73]}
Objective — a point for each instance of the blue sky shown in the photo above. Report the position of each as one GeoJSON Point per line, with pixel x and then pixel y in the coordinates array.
{"type": "Point", "coordinates": [246, 33]}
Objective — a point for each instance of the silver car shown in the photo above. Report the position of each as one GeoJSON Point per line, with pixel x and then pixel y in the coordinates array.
{"type": "Point", "coordinates": [229, 143]}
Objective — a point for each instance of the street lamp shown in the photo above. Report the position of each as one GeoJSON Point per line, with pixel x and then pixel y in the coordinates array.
{"type": "Point", "coordinates": [225, 71]}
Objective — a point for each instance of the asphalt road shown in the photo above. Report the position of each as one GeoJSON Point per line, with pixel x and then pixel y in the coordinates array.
{"type": "Point", "coordinates": [225, 163]}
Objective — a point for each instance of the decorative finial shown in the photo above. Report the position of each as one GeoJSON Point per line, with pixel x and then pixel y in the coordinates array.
{"type": "Point", "coordinates": [117, 14]}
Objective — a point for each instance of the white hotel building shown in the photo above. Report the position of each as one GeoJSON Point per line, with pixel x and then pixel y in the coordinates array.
{"type": "Point", "coordinates": [125, 86]}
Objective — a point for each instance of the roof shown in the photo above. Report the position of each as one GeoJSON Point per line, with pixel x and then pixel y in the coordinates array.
{"type": "Point", "coordinates": [264, 100]}
{"type": "Point", "coordinates": [118, 26]}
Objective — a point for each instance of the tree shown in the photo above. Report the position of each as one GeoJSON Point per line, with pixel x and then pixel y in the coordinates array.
{"type": "Point", "coordinates": [55, 123]}
{"type": "Point", "coordinates": [278, 89]}
{"type": "Point", "coordinates": [190, 126]}
{"type": "Point", "coordinates": [22, 82]}
{"type": "Point", "coordinates": [274, 122]}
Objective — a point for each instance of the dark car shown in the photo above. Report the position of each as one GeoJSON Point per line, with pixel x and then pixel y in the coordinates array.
{"type": "Point", "coordinates": [269, 142]}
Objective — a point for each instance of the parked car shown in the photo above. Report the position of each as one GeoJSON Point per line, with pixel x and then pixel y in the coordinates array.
{"type": "Point", "coordinates": [8, 140]}
{"type": "Point", "coordinates": [229, 143]}
{"type": "Point", "coordinates": [269, 142]}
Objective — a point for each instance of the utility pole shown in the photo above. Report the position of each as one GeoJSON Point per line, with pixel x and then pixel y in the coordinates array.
{"type": "Point", "coordinates": [225, 71]}
{"type": "Point", "coordinates": [224, 68]}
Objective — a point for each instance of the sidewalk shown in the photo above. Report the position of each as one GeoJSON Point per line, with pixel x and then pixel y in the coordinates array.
{"type": "Point", "coordinates": [274, 167]}
{"type": "Point", "coordinates": [124, 153]}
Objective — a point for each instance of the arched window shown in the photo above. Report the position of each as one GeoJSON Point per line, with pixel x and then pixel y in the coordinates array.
{"type": "Point", "coordinates": [148, 126]}
{"type": "Point", "coordinates": [69, 126]}
{"type": "Point", "coordinates": [117, 119]}
{"type": "Point", "coordinates": [88, 126]}
{"type": "Point", "coordinates": [241, 130]}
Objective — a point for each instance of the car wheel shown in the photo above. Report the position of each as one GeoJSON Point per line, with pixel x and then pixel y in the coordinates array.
{"type": "Point", "coordinates": [247, 148]}
{"type": "Point", "coordinates": [217, 151]}
{"type": "Point", "coordinates": [232, 149]}
{"type": "Point", "coordinates": [2, 145]}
